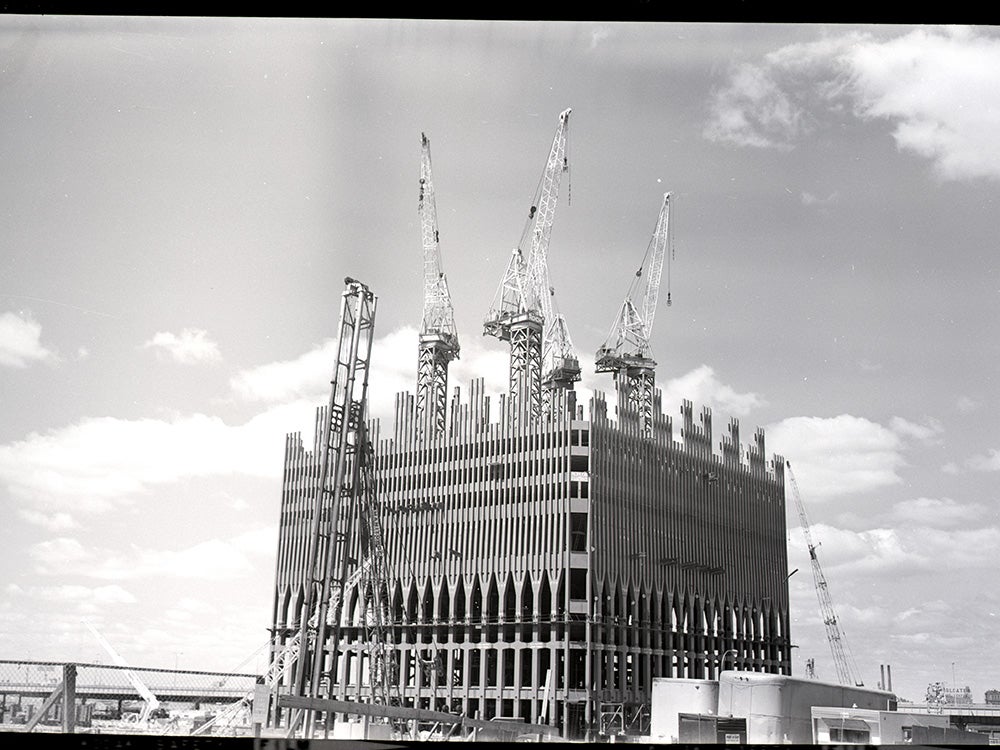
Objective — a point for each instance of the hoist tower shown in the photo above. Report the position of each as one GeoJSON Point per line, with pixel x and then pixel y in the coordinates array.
{"type": "Point", "coordinates": [342, 499]}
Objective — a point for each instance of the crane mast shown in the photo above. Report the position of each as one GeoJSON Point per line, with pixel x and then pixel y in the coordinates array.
{"type": "Point", "coordinates": [630, 357]}
{"type": "Point", "coordinates": [522, 313]}
{"type": "Point", "coordinates": [847, 670]}
{"type": "Point", "coordinates": [438, 336]}
{"type": "Point", "coordinates": [342, 487]}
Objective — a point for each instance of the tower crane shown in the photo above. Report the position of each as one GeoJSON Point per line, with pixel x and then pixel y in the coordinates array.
{"type": "Point", "coordinates": [627, 352]}
{"type": "Point", "coordinates": [438, 335]}
{"type": "Point", "coordinates": [522, 312]}
{"type": "Point", "coordinates": [847, 670]}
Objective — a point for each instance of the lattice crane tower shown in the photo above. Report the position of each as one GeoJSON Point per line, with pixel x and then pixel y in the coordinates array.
{"type": "Point", "coordinates": [847, 670]}
{"type": "Point", "coordinates": [522, 313]}
{"type": "Point", "coordinates": [438, 336]}
{"type": "Point", "coordinates": [342, 485]}
{"type": "Point", "coordinates": [630, 356]}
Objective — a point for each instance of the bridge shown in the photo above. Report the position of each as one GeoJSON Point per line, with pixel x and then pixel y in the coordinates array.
{"type": "Point", "coordinates": [97, 692]}
{"type": "Point", "coordinates": [20, 680]}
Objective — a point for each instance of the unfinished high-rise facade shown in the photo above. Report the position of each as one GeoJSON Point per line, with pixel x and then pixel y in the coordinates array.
{"type": "Point", "coordinates": [544, 562]}
{"type": "Point", "coordinates": [549, 570]}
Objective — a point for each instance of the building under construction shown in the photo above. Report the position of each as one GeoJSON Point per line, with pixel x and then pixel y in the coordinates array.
{"type": "Point", "coordinates": [541, 560]}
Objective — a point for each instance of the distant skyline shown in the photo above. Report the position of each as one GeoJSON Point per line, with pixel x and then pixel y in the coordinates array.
{"type": "Point", "coordinates": [182, 199]}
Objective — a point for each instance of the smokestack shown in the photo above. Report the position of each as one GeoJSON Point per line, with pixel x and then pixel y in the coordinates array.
{"type": "Point", "coordinates": [888, 672]}
{"type": "Point", "coordinates": [881, 683]}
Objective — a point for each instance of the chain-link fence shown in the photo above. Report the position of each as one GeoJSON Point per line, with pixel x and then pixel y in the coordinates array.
{"type": "Point", "coordinates": [95, 698]}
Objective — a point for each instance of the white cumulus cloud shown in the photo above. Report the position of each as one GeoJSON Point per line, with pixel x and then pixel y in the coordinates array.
{"type": "Point", "coordinates": [703, 388]}
{"type": "Point", "coordinates": [754, 110]}
{"type": "Point", "coordinates": [306, 376]}
{"type": "Point", "coordinates": [190, 346]}
{"type": "Point", "coordinates": [20, 341]}
{"type": "Point", "coordinates": [985, 462]}
{"type": "Point", "coordinates": [53, 521]}
{"type": "Point", "coordinates": [211, 559]}
{"type": "Point", "coordinates": [840, 455]}
{"type": "Point", "coordinates": [393, 370]}
{"type": "Point", "coordinates": [989, 461]}
{"type": "Point", "coordinates": [938, 512]}
{"type": "Point", "coordinates": [93, 464]}
{"type": "Point", "coordinates": [929, 432]}
{"type": "Point", "coordinates": [936, 87]}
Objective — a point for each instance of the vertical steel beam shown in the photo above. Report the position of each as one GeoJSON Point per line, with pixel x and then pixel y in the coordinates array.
{"type": "Point", "coordinates": [69, 698]}
{"type": "Point", "coordinates": [525, 370]}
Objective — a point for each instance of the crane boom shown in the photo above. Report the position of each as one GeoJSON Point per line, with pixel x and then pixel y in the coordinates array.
{"type": "Point", "coordinates": [847, 670]}
{"type": "Point", "coordinates": [538, 272]}
{"type": "Point", "coordinates": [439, 315]}
{"type": "Point", "coordinates": [438, 335]}
{"type": "Point", "coordinates": [633, 327]}
{"type": "Point", "coordinates": [660, 241]}
{"type": "Point", "coordinates": [629, 357]}
{"type": "Point", "coordinates": [150, 701]}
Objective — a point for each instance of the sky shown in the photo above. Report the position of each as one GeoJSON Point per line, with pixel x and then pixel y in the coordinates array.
{"type": "Point", "coordinates": [182, 199]}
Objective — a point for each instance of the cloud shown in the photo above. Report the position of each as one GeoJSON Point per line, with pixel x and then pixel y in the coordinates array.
{"type": "Point", "coordinates": [920, 547]}
{"type": "Point", "coordinates": [702, 387]}
{"type": "Point", "coordinates": [306, 376]}
{"type": "Point", "coordinates": [928, 433]}
{"type": "Point", "coordinates": [92, 465]}
{"type": "Point", "coordinates": [966, 404]}
{"type": "Point", "coordinates": [754, 110]}
{"type": "Point", "coordinates": [598, 35]}
{"type": "Point", "coordinates": [924, 82]}
{"type": "Point", "coordinates": [987, 462]}
{"type": "Point", "coordinates": [190, 347]}
{"type": "Point", "coordinates": [921, 82]}
{"type": "Point", "coordinates": [866, 552]}
{"type": "Point", "coordinates": [61, 551]}
{"type": "Point", "coordinates": [111, 594]}
{"type": "Point", "coordinates": [212, 559]}
{"type": "Point", "coordinates": [20, 342]}
{"type": "Point", "coordinates": [840, 455]}
{"type": "Point", "coordinates": [980, 462]}
{"type": "Point", "coordinates": [808, 199]}
{"type": "Point", "coordinates": [98, 463]}
{"type": "Point", "coordinates": [48, 520]}
{"type": "Point", "coordinates": [393, 370]}
{"type": "Point", "coordinates": [937, 513]}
